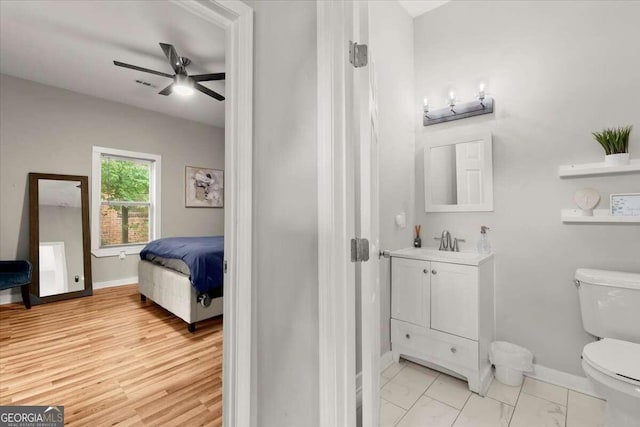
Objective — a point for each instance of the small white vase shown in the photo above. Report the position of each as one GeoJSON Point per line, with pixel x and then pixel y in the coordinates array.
{"type": "Point", "coordinates": [619, 159]}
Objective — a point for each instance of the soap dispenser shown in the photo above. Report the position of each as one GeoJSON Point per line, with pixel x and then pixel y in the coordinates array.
{"type": "Point", "coordinates": [484, 247]}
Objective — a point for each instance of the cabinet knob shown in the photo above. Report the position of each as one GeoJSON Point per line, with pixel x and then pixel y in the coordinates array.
{"type": "Point", "coordinates": [426, 271]}
{"type": "Point", "coordinates": [454, 350]}
{"type": "Point", "coordinates": [434, 272]}
{"type": "Point", "coordinates": [407, 336]}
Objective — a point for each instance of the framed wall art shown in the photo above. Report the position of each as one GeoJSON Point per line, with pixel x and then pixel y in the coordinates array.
{"type": "Point", "coordinates": [626, 204]}
{"type": "Point", "coordinates": [204, 187]}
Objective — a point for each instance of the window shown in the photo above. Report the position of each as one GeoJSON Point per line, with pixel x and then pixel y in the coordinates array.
{"type": "Point", "coordinates": [125, 201]}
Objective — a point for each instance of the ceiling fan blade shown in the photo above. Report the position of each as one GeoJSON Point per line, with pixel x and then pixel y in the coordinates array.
{"type": "Point", "coordinates": [167, 90]}
{"type": "Point", "coordinates": [207, 77]}
{"type": "Point", "coordinates": [144, 70]}
{"type": "Point", "coordinates": [208, 91]}
{"type": "Point", "coordinates": [173, 57]}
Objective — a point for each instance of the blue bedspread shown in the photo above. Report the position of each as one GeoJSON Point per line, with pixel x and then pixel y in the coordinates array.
{"type": "Point", "coordinates": [203, 255]}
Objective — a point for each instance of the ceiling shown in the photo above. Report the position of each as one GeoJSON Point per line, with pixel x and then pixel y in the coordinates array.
{"type": "Point", "coordinates": [418, 7]}
{"type": "Point", "coordinates": [72, 45]}
{"type": "Point", "coordinates": [53, 192]}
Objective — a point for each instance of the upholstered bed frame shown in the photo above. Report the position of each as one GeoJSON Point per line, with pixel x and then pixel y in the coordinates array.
{"type": "Point", "coordinates": [174, 292]}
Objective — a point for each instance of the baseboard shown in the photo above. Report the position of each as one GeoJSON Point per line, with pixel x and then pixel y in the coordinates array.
{"type": "Point", "coordinates": [118, 282]}
{"type": "Point", "coordinates": [563, 379]}
{"type": "Point", "coordinates": [386, 360]}
{"type": "Point", "coordinates": [13, 295]}
{"type": "Point", "coordinates": [542, 373]}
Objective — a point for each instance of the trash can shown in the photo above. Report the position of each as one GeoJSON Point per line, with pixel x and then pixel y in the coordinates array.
{"type": "Point", "coordinates": [511, 361]}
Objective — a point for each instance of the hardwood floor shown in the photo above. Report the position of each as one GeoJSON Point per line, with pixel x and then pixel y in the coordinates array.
{"type": "Point", "coordinates": [112, 360]}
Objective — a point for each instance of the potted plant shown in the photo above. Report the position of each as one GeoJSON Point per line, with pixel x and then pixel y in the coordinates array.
{"type": "Point", "coordinates": [616, 145]}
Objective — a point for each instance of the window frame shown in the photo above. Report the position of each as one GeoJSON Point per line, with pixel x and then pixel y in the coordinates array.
{"type": "Point", "coordinates": [96, 200]}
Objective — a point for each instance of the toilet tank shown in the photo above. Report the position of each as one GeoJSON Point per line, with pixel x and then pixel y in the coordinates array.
{"type": "Point", "coordinates": [610, 303]}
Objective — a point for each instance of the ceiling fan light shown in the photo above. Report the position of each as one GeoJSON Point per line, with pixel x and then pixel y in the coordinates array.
{"type": "Point", "coordinates": [182, 90]}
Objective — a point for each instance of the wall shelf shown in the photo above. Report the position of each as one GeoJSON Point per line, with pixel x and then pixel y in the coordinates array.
{"type": "Point", "coordinates": [600, 216]}
{"type": "Point", "coordinates": [590, 169]}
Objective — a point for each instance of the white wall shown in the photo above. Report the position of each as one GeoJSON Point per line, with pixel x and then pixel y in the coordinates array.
{"type": "Point", "coordinates": [285, 246]}
{"type": "Point", "coordinates": [51, 130]}
{"type": "Point", "coordinates": [558, 71]}
{"type": "Point", "coordinates": [391, 38]}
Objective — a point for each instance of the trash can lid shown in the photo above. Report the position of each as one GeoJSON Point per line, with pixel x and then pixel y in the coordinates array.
{"type": "Point", "coordinates": [615, 358]}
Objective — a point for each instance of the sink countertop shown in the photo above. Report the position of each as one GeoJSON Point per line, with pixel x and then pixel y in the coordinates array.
{"type": "Point", "coordinates": [433, 254]}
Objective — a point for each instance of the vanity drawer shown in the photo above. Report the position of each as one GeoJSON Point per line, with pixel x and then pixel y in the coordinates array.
{"type": "Point", "coordinates": [437, 347]}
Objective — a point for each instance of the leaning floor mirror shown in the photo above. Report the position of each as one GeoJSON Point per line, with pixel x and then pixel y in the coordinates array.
{"type": "Point", "coordinates": [59, 237]}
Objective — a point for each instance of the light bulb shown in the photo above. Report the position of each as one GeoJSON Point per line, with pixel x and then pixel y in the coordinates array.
{"type": "Point", "coordinates": [182, 90]}
{"type": "Point", "coordinates": [425, 102]}
{"type": "Point", "coordinates": [481, 94]}
{"type": "Point", "coordinates": [452, 98]}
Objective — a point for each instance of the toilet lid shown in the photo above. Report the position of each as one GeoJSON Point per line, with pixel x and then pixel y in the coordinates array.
{"type": "Point", "coordinates": [616, 358]}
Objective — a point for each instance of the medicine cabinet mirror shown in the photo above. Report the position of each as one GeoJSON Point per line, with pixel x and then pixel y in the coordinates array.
{"type": "Point", "coordinates": [458, 174]}
{"type": "Point", "coordinates": [59, 237]}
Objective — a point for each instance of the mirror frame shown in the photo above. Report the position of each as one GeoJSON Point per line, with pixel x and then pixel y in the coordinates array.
{"type": "Point", "coordinates": [34, 237]}
{"type": "Point", "coordinates": [487, 184]}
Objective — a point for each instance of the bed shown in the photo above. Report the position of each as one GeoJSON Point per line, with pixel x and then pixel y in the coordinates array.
{"type": "Point", "coordinates": [184, 275]}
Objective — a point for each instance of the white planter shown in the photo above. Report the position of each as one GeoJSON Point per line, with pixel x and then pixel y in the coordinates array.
{"type": "Point", "coordinates": [619, 159]}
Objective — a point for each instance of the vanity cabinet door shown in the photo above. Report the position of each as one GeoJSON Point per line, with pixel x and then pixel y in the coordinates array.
{"type": "Point", "coordinates": [410, 291]}
{"type": "Point", "coordinates": [454, 299]}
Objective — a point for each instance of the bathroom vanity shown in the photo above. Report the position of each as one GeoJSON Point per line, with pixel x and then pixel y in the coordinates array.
{"type": "Point", "coordinates": [442, 311]}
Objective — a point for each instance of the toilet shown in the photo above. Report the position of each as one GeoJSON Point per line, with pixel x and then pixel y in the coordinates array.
{"type": "Point", "coordinates": [610, 307]}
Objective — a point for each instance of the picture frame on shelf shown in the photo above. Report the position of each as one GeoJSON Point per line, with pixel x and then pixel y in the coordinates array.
{"type": "Point", "coordinates": [625, 204]}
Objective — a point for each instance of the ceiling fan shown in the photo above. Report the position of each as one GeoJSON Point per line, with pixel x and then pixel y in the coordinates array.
{"type": "Point", "coordinates": [183, 84]}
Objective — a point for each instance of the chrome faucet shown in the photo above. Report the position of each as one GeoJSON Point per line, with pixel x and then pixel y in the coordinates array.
{"type": "Point", "coordinates": [445, 241]}
{"type": "Point", "coordinates": [446, 244]}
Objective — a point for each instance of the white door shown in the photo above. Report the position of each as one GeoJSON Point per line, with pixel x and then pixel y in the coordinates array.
{"type": "Point", "coordinates": [364, 137]}
{"type": "Point", "coordinates": [347, 208]}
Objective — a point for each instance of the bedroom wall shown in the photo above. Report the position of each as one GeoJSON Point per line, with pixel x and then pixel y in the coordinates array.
{"type": "Point", "coordinates": [285, 239]}
{"type": "Point", "coordinates": [46, 129]}
{"type": "Point", "coordinates": [558, 71]}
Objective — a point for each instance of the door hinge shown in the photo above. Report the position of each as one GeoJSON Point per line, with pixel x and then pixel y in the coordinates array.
{"type": "Point", "coordinates": [225, 266]}
{"type": "Point", "coordinates": [359, 250]}
{"type": "Point", "coordinates": [357, 54]}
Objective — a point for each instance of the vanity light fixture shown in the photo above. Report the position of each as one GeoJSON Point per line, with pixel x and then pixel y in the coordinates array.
{"type": "Point", "coordinates": [483, 105]}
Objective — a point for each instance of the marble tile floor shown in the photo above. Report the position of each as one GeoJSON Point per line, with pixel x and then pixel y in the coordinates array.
{"type": "Point", "coordinates": [412, 395]}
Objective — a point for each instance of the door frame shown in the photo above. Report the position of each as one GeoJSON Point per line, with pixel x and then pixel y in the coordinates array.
{"type": "Point", "coordinates": [236, 18]}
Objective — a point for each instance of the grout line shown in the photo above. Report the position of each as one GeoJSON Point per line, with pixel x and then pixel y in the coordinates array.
{"type": "Point", "coordinates": [515, 406]}
{"type": "Point", "coordinates": [391, 403]}
{"type": "Point", "coordinates": [551, 384]}
{"type": "Point", "coordinates": [566, 412]}
{"type": "Point", "coordinates": [414, 403]}
{"type": "Point", "coordinates": [547, 400]}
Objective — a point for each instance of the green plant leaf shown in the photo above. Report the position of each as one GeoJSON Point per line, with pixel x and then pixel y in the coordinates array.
{"type": "Point", "coordinates": [614, 140]}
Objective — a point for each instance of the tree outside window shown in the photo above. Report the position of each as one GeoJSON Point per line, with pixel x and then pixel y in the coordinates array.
{"type": "Point", "coordinates": [125, 201]}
